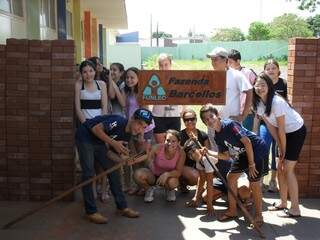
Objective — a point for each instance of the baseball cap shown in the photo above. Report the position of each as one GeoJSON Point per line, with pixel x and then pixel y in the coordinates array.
{"type": "Point", "coordinates": [144, 115]}
{"type": "Point", "coordinates": [218, 52]}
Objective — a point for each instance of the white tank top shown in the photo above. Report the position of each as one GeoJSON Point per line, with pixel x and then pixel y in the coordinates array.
{"type": "Point", "coordinates": [90, 102]}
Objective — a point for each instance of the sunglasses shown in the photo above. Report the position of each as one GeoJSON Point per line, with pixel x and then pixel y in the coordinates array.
{"type": "Point", "coordinates": [189, 119]}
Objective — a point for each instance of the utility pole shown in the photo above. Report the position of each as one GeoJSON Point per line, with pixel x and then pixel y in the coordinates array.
{"type": "Point", "coordinates": [150, 30]}
{"type": "Point", "coordinates": [157, 34]}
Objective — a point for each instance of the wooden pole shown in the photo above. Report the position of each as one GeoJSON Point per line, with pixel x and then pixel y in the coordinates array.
{"type": "Point", "coordinates": [240, 204]}
{"type": "Point", "coordinates": [134, 159]}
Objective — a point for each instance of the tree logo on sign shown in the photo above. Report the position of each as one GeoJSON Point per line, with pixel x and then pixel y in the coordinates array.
{"type": "Point", "coordinates": [154, 90]}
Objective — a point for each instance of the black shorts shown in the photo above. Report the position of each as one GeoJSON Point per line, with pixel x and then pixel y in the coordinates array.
{"type": "Point", "coordinates": [261, 161]}
{"type": "Point", "coordinates": [165, 123]}
{"type": "Point", "coordinates": [294, 143]}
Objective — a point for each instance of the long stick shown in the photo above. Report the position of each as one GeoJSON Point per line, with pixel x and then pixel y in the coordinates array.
{"type": "Point", "coordinates": [240, 204]}
{"type": "Point", "coordinates": [67, 192]}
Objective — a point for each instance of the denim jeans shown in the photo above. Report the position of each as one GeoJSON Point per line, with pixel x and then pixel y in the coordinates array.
{"type": "Point", "coordinates": [88, 153]}
{"type": "Point", "coordinates": [248, 122]}
{"type": "Point", "coordinates": [267, 137]}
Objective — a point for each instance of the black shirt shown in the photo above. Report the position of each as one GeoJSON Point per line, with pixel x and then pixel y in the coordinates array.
{"type": "Point", "coordinates": [114, 127]}
{"type": "Point", "coordinates": [281, 88]}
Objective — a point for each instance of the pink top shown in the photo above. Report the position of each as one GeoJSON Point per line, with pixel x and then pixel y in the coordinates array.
{"type": "Point", "coordinates": [161, 164]}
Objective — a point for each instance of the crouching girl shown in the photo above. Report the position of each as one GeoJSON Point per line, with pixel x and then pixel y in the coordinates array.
{"type": "Point", "coordinates": [165, 167]}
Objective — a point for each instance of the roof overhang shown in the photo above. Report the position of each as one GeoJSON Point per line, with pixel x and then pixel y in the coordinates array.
{"type": "Point", "coordinates": [111, 13]}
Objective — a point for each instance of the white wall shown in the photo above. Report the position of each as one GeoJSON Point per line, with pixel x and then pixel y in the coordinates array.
{"type": "Point", "coordinates": [127, 54]}
{"type": "Point", "coordinates": [12, 27]}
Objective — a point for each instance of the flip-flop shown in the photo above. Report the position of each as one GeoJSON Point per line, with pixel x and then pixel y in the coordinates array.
{"type": "Point", "coordinates": [274, 207]}
{"type": "Point", "coordinates": [288, 214]}
{"type": "Point", "coordinates": [226, 218]}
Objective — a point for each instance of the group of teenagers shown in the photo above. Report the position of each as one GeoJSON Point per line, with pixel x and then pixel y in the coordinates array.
{"type": "Point", "coordinates": [256, 121]}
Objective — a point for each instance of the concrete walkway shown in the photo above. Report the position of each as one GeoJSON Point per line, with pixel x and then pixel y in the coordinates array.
{"type": "Point", "coordinates": [159, 220]}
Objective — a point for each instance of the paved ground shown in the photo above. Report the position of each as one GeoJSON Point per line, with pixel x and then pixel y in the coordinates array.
{"type": "Point", "coordinates": [159, 220]}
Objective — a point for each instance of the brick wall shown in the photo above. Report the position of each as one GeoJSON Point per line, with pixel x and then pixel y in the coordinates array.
{"type": "Point", "coordinates": [36, 118]}
{"type": "Point", "coordinates": [304, 93]}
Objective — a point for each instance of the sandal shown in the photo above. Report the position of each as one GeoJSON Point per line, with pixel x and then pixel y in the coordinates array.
{"type": "Point", "coordinates": [275, 207]}
{"type": "Point", "coordinates": [132, 191]}
{"type": "Point", "coordinates": [288, 214]}
{"type": "Point", "coordinates": [104, 197]}
{"type": "Point", "coordinates": [141, 192]}
{"type": "Point", "coordinates": [225, 218]}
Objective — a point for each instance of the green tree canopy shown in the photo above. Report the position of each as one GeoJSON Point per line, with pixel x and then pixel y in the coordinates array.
{"type": "Point", "coordinates": [161, 34]}
{"type": "Point", "coordinates": [314, 25]}
{"type": "Point", "coordinates": [228, 34]}
{"type": "Point", "coordinates": [288, 26]}
{"type": "Point", "coordinates": [258, 31]}
{"type": "Point", "coordinates": [310, 5]}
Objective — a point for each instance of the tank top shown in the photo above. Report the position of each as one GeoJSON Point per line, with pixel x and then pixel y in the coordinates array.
{"type": "Point", "coordinates": [161, 164]}
{"type": "Point", "coordinates": [90, 102]}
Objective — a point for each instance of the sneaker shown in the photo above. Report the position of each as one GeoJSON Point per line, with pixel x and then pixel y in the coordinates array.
{"type": "Point", "coordinates": [129, 213]}
{"type": "Point", "coordinates": [148, 197]}
{"type": "Point", "coordinates": [97, 218]}
{"type": "Point", "coordinates": [171, 195]}
{"type": "Point", "coordinates": [273, 186]}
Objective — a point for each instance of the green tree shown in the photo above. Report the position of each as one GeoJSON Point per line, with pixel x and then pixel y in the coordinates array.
{"type": "Point", "coordinates": [314, 25]}
{"type": "Point", "coordinates": [288, 26]}
{"type": "Point", "coordinates": [310, 5]}
{"type": "Point", "coordinates": [161, 34]}
{"type": "Point", "coordinates": [228, 34]}
{"type": "Point", "coordinates": [258, 31]}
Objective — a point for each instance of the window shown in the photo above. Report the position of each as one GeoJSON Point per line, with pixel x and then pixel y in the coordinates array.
{"type": "Point", "coordinates": [17, 7]}
{"type": "Point", "coordinates": [69, 24]}
{"type": "Point", "coordinates": [5, 5]}
{"type": "Point", "coordinates": [14, 7]}
{"type": "Point", "coordinates": [48, 14]}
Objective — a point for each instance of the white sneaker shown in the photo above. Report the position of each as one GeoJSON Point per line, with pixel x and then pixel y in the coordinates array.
{"type": "Point", "coordinates": [171, 195]}
{"type": "Point", "coordinates": [148, 197]}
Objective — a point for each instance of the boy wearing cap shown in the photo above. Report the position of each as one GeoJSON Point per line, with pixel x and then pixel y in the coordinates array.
{"type": "Point", "coordinates": [236, 83]}
{"type": "Point", "coordinates": [234, 61]}
{"type": "Point", "coordinates": [93, 138]}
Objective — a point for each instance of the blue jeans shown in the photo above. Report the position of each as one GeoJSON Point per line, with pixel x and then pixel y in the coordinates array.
{"type": "Point", "coordinates": [248, 122]}
{"type": "Point", "coordinates": [88, 153]}
{"type": "Point", "coordinates": [267, 137]}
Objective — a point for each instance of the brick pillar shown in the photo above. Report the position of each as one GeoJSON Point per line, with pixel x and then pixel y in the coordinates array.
{"type": "Point", "coordinates": [62, 112]}
{"type": "Point", "coordinates": [3, 157]}
{"type": "Point", "coordinates": [314, 180]}
{"type": "Point", "coordinates": [17, 141]}
{"type": "Point", "coordinates": [39, 117]}
{"type": "Point", "coordinates": [303, 91]}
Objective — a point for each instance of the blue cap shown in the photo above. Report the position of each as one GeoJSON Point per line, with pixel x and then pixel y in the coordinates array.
{"type": "Point", "coordinates": [144, 115]}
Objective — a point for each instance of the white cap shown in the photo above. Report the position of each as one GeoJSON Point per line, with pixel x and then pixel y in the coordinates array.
{"type": "Point", "coordinates": [218, 52]}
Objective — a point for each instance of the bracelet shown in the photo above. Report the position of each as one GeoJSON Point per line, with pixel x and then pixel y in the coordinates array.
{"type": "Point", "coordinates": [252, 165]}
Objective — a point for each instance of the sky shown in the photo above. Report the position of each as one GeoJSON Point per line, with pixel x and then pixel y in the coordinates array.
{"type": "Point", "coordinates": [178, 17]}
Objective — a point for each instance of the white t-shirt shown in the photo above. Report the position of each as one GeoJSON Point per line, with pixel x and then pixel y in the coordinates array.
{"type": "Point", "coordinates": [203, 164]}
{"type": "Point", "coordinates": [236, 84]}
{"type": "Point", "coordinates": [293, 120]}
{"type": "Point", "coordinates": [166, 110]}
